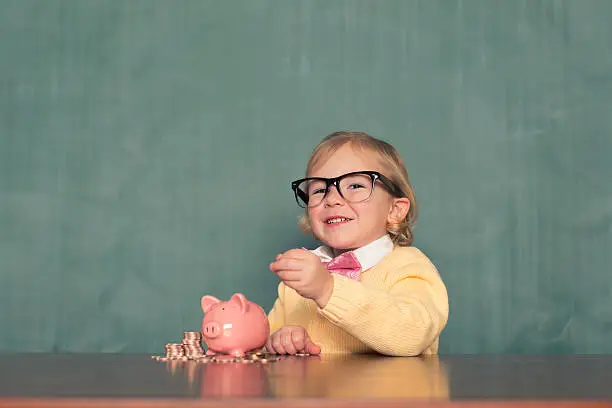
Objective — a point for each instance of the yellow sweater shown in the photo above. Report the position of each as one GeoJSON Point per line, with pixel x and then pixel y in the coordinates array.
{"type": "Point", "coordinates": [398, 307]}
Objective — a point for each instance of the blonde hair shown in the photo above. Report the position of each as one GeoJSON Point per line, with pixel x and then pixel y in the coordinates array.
{"type": "Point", "coordinates": [401, 233]}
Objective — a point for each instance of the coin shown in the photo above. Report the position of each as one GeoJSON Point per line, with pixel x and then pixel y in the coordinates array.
{"type": "Point", "coordinates": [190, 349]}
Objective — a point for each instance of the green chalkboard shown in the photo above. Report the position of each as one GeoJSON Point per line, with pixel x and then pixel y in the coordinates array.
{"type": "Point", "coordinates": [147, 146]}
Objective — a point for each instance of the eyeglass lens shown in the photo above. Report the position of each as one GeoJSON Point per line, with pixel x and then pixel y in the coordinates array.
{"type": "Point", "coordinates": [353, 188]}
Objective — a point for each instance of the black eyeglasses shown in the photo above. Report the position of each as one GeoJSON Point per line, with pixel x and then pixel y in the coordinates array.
{"type": "Point", "coordinates": [353, 187]}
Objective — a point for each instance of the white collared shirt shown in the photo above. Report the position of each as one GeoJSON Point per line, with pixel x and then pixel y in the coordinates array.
{"type": "Point", "coordinates": [368, 255]}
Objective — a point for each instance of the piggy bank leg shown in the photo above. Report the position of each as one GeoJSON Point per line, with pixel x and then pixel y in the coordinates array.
{"type": "Point", "coordinates": [209, 352]}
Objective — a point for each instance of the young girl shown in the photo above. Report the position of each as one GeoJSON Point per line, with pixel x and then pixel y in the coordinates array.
{"type": "Point", "coordinates": [366, 289]}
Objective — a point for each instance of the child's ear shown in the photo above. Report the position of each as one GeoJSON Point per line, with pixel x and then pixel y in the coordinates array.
{"type": "Point", "coordinates": [399, 210]}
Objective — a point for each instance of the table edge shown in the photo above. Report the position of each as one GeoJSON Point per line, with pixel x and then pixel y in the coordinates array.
{"type": "Point", "coordinates": [104, 402]}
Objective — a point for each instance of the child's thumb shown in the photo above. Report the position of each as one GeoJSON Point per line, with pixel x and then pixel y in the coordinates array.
{"type": "Point", "coordinates": [312, 348]}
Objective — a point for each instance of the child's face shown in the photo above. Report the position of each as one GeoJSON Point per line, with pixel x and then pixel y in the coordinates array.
{"type": "Point", "coordinates": [366, 220]}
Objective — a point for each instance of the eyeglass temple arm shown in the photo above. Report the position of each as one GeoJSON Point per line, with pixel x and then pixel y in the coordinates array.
{"type": "Point", "coordinates": [302, 194]}
{"type": "Point", "coordinates": [391, 185]}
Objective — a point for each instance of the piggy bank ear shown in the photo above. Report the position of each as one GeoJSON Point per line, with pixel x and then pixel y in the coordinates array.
{"type": "Point", "coordinates": [240, 300]}
{"type": "Point", "coordinates": [208, 302]}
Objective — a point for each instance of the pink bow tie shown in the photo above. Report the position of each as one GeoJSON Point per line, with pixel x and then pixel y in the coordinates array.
{"type": "Point", "coordinates": [345, 264]}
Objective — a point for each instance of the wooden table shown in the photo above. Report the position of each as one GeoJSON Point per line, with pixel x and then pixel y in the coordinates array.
{"type": "Point", "coordinates": [118, 380]}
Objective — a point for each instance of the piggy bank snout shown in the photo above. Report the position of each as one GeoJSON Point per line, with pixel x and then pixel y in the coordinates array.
{"type": "Point", "coordinates": [211, 330]}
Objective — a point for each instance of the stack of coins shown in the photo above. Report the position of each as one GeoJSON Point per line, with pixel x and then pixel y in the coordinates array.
{"type": "Point", "coordinates": [192, 343]}
{"type": "Point", "coordinates": [175, 351]}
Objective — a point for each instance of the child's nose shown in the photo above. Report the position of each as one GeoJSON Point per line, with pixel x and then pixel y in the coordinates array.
{"type": "Point", "coordinates": [333, 197]}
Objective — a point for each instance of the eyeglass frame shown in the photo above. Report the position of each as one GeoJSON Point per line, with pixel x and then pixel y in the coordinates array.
{"type": "Point", "coordinates": [335, 181]}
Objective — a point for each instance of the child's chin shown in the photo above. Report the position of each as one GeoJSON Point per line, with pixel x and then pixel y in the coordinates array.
{"type": "Point", "coordinates": [341, 245]}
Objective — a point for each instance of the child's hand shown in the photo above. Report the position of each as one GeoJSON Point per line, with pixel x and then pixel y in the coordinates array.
{"type": "Point", "coordinates": [303, 271]}
{"type": "Point", "coordinates": [291, 340]}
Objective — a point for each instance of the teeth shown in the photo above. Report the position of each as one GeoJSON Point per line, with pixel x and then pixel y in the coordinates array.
{"type": "Point", "coordinates": [336, 220]}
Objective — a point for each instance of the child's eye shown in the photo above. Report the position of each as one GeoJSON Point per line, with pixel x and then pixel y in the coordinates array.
{"type": "Point", "coordinates": [355, 186]}
{"type": "Point", "coordinates": [318, 191]}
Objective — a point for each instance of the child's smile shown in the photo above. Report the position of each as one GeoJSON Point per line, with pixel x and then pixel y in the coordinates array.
{"type": "Point", "coordinates": [337, 221]}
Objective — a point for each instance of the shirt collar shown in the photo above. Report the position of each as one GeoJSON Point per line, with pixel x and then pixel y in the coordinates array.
{"type": "Point", "coordinates": [368, 255]}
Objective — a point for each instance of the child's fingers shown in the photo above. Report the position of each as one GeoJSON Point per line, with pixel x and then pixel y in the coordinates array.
{"type": "Point", "coordinates": [287, 342]}
{"type": "Point", "coordinates": [287, 263]}
{"type": "Point", "coordinates": [289, 276]}
{"type": "Point", "coordinates": [298, 338]}
{"type": "Point", "coordinates": [274, 345]}
{"type": "Point", "coordinates": [298, 253]}
{"type": "Point", "coordinates": [268, 347]}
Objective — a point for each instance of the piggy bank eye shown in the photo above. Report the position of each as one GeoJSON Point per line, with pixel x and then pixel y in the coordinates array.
{"type": "Point", "coordinates": [222, 308]}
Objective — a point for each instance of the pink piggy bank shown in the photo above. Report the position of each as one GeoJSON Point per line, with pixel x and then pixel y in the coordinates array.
{"type": "Point", "coordinates": [233, 327]}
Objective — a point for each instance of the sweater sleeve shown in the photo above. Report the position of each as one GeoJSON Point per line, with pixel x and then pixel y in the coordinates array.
{"type": "Point", "coordinates": [403, 321]}
{"type": "Point", "coordinates": [276, 317]}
